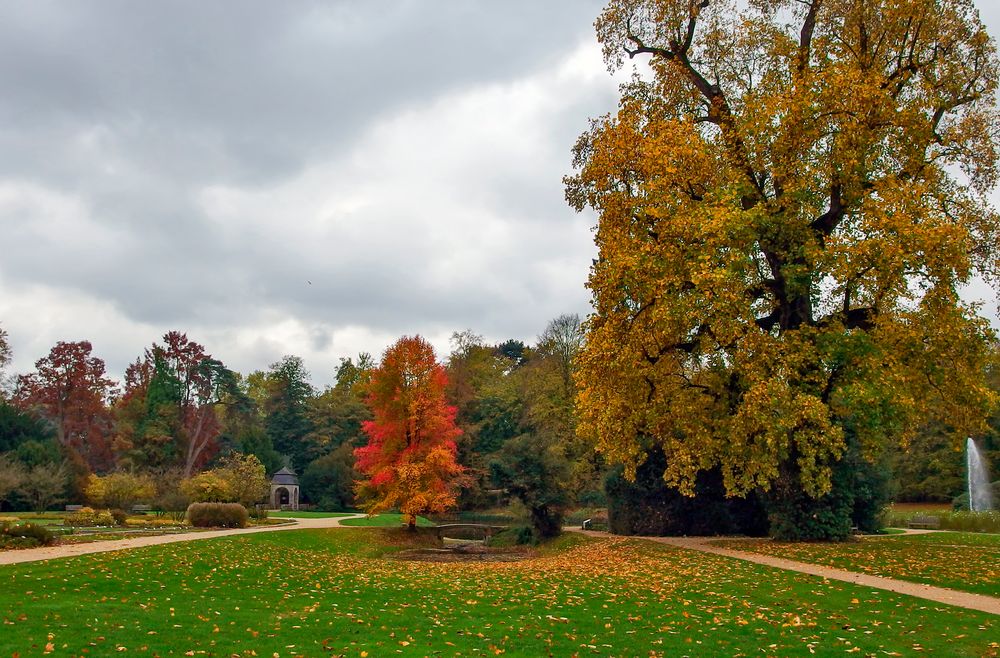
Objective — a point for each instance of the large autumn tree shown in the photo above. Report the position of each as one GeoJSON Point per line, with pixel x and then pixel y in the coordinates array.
{"type": "Point", "coordinates": [410, 461]}
{"type": "Point", "coordinates": [789, 203]}
{"type": "Point", "coordinates": [69, 390]}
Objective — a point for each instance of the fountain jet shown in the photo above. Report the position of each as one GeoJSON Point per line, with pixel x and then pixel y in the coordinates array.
{"type": "Point", "coordinates": [980, 496]}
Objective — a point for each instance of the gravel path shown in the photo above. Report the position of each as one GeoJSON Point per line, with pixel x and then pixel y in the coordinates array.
{"type": "Point", "coordinates": [968, 600]}
{"type": "Point", "coordinates": [71, 550]}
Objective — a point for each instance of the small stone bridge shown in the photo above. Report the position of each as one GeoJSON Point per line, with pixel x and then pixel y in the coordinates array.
{"type": "Point", "coordinates": [487, 530]}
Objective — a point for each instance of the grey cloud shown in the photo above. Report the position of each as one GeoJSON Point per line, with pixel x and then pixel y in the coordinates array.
{"type": "Point", "coordinates": [259, 87]}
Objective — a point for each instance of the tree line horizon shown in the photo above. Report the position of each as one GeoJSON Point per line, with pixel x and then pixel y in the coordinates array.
{"type": "Point", "coordinates": [180, 412]}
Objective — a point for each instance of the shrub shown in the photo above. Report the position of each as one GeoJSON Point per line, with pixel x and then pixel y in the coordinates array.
{"type": "Point", "coordinates": [151, 522]}
{"type": "Point", "coordinates": [523, 535]}
{"type": "Point", "coordinates": [119, 515]}
{"type": "Point", "coordinates": [518, 535]}
{"type": "Point", "coordinates": [44, 486]}
{"type": "Point", "coordinates": [217, 515]}
{"type": "Point", "coordinates": [173, 503]}
{"type": "Point", "coordinates": [648, 506]}
{"type": "Point", "coordinates": [258, 513]}
{"type": "Point", "coordinates": [859, 493]}
{"type": "Point", "coordinates": [796, 516]}
{"type": "Point", "coordinates": [88, 516]}
{"type": "Point", "coordinates": [26, 535]}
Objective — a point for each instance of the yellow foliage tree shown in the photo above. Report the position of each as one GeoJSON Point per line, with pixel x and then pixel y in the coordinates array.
{"type": "Point", "coordinates": [239, 478]}
{"type": "Point", "coordinates": [119, 490]}
{"type": "Point", "coordinates": [213, 486]}
{"type": "Point", "coordinates": [788, 205]}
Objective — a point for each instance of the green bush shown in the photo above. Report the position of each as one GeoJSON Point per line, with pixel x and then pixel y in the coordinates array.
{"type": "Point", "coordinates": [329, 480]}
{"type": "Point", "coordinates": [217, 515]}
{"type": "Point", "coordinates": [258, 513]}
{"type": "Point", "coordinates": [522, 535]}
{"type": "Point", "coordinates": [533, 469]}
{"type": "Point", "coordinates": [25, 535]}
{"type": "Point", "coordinates": [648, 506]}
{"type": "Point", "coordinates": [962, 502]}
{"type": "Point", "coordinates": [859, 494]}
{"type": "Point", "coordinates": [88, 516]}
{"type": "Point", "coordinates": [796, 516]}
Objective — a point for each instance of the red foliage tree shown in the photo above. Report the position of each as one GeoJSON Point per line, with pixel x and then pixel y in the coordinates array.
{"type": "Point", "coordinates": [167, 416]}
{"type": "Point", "coordinates": [69, 389]}
{"type": "Point", "coordinates": [410, 460]}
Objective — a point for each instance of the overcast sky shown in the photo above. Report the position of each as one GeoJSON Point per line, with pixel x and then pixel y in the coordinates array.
{"type": "Point", "coordinates": [309, 178]}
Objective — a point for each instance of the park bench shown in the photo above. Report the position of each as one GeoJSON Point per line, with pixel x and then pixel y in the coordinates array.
{"type": "Point", "coordinates": [74, 508]}
{"type": "Point", "coordinates": [142, 509]}
{"type": "Point", "coordinates": [924, 522]}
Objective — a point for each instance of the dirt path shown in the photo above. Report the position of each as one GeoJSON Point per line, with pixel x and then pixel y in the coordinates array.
{"type": "Point", "coordinates": [71, 550]}
{"type": "Point", "coordinates": [968, 600]}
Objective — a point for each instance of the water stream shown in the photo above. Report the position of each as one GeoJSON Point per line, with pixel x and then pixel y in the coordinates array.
{"type": "Point", "coordinates": [980, 496]}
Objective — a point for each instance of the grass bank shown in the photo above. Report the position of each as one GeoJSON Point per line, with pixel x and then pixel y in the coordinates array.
{"type": "Point", "coordinates": [385, 521]}
{"type": "Point", "coordinates": [340, 592]}
{"type": "Point", "coordinates": [969, 562]}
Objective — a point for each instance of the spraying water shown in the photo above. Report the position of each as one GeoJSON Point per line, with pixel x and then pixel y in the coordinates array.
{"type": "Point", "coordinates": [980, 496]}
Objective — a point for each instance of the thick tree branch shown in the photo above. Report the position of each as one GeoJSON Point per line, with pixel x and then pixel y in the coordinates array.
{"type": "Point", "coordinates": [855, 318]}
{"type": "Point", "coordinates": [828, 221]}
{"type": "Point", "coordinates": [719, 111]}
{"type": "Point", "coordinates": [805, 36]}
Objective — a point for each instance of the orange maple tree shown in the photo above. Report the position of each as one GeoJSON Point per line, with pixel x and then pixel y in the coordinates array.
{"type": "Point", "coordinates": [410, 460]}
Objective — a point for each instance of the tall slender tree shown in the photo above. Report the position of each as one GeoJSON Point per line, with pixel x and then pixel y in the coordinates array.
{"type": "Point", "coordinates": [409, 462]}
{"type": "Point", "coordinates": [168, 414]}
{"type": "Point", "coordinates": [285, 403]}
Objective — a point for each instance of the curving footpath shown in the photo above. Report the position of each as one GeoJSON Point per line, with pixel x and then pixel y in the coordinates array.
{"type": "Point", "coordinates": [72, 550]}
{"type": "Point", "coordinates": [944, 595]}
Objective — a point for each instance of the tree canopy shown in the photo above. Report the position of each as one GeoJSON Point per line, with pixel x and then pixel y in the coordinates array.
{"type": "Point", "coordinates": [788, 205]}
{"type": "Point", "coordinates": [70, 390]}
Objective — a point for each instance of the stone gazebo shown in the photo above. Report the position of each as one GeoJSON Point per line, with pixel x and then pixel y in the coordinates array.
{"type": "Point", "coordinates": [285, 490]}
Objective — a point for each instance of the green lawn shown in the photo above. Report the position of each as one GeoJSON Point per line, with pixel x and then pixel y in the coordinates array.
{"type": "Point", "coordinates": [338, 592]}
{"type": "Point", "coordinates": [385, 521]}
{"type": "Point", "coordinates": [960, 560]}
{"type": "Point", "coordinates": [309, 515]}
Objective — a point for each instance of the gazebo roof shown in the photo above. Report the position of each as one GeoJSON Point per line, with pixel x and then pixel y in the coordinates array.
{"type": "Point", "coordinates": [285, 476]}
